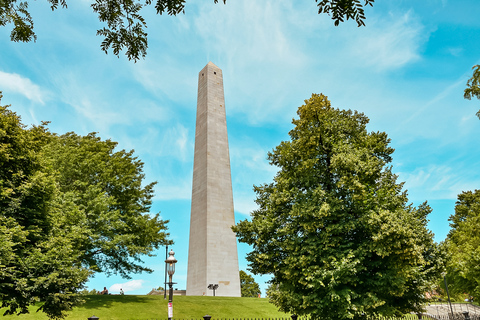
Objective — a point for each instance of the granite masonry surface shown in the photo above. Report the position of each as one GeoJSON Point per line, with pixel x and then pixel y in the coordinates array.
{"type": "Point", "coordinates": [212, 252]}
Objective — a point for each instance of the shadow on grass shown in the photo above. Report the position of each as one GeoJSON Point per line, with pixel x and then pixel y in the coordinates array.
{"type": "Point", "coordinates": [106, 301]}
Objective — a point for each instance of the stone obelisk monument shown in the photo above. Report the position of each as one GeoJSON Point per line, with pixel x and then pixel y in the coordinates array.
{"type": "Point", "coordinates": [212, 252]}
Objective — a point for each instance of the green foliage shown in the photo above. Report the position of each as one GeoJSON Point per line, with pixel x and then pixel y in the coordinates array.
{"type": "Point", "coordinates": [463, 245]}
{"type": "Point", "coordinates": [125, 26]}
{"type": "Point", "coordinates": [342, 10]}
{"type": "Point", "coordinates": [87, 292]}
{"type": "Point", "coordinates": [38, 260]}
{"type": "Point", "coordinates": [11, 12]}
{"type": "Point", "coordinates": [248, 286]}
{"type": "Point", "coordinates": [104, 203]}
{"type": "Point", "coordinates": [69, 206]}
{"type": "Point", "coordinates": [334, 228]}
{"type": "Point", "coordinates": [473, 86]}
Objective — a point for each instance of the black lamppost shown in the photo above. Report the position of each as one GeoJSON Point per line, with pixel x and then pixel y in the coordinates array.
{"type": "Point", "coordinates": [170, 270]}
{"type": "Point", "coordinates": [448, 294]}
{"type": "Point", "coordinates": [165, 283]}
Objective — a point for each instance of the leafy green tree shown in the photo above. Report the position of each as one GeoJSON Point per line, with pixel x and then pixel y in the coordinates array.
{"type": "Point", "coordinates": [108, 206]}
{"type": "Point", "coordinates": [37, 258]}
{"type": "Point", "coordinates": [473, 86]}
{"type": "Point", "coordinates": [248, 286]}
{"type": "Point", "coordinates": [334, 227]}
{"type": "Point", "coordinates": [87, 292]}
{"type": "Point", "coordinates": [69, 206]}
{"type": "Point", "coordinates": [125, 26]}
{"type": "Point", "coordinates": [271, 290]}
{"type": "Point", "coordinates": [463, 245]}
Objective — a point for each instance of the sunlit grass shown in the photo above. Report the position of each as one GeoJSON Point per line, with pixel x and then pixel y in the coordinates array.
{"type": "Point", "coordinates": [155, 307]}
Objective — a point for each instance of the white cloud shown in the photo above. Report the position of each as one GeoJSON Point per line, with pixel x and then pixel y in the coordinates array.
{"type": "Point", "coordinates": [245, 204]}
{"type": "Point", "coordinates": [258, 52]}
{"type": "Point", "coordinates": [436, 182]}
{"type": "Point", "coordinates": [252, 157]}
{"type": "Point", "coordinates": [175, 189]}
{"type": "Point", "coordinates": [16, 83]}
{"type": "Point", "coordinates": [249, 32]}
{"type": "Point", "coordinates": [455, 51]}
{"type": "Point", "coordinates": [439, 98]}
{"type": "Point", "coordinates": [164, 77]}
{"type": "Point", "coordinates": [127, 286]}
{"type": "Point", "coordinates": [100, 111]}
{"type": "Point", "coordinates": [170, 141]}
{"type": "Point", "coordinates": [389, 43]}
{"type": "Point", "coordinates": [249, 167]}
{"type": "Point", "coordinates": [182, 142]}
{"type": "Point", "coordinates": [274, 55]}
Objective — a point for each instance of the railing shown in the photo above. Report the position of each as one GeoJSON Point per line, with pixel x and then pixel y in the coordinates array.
{"type": "Point", "coordinates": [465, 315]}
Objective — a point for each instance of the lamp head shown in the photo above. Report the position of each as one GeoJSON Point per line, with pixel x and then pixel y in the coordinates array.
{"type": "Point", "coordinates": [171, 263]}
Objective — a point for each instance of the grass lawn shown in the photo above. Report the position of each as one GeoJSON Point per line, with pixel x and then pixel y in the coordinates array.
{"type": "Point", "coordinates": [155, 307]}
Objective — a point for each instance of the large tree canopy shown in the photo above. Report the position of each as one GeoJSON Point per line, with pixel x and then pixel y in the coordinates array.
{"type": "Point", "coordinates": [109, 205]}
{"type": "Point", "coordinates": [248, 286]}
{"type": "Point", "coordinates": [125, 26]}
{"type": "Point", "coordinates": [334, 227]}
{"type": "Point", "coordinates": [37, 256]}
{"type": "Point", "coordinates": [463, 245]}
{"type": "Point", "coordinates": [473, 86]}
{"type": "Point", "coordinates": [69, 206]}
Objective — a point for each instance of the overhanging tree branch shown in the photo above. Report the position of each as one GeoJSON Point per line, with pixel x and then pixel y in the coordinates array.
{"type": "Point", "coordinates": [473, 86]}
{"type": "Point", "coordinates": [126, 28]}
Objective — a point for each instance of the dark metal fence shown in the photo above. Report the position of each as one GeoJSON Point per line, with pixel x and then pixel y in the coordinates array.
{"type": "Point", "coordinates": [473, 314]}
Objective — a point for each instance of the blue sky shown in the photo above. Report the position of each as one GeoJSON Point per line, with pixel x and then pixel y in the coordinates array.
{"type": "Point", "coordinates": [406, 70]}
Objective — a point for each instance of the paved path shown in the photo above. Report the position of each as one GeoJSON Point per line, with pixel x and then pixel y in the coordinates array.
{"type": "Point", "coordinates": [444, 309]}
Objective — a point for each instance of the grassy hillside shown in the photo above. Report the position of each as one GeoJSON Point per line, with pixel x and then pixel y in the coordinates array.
{"type": "Point", "coordinates": [155, 307]}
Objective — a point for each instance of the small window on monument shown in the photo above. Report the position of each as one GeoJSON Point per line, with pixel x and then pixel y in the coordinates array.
{"type": "Point", "coordinates": [202, 74]}
{"type": "Point", "coordinates": [214, 72]}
